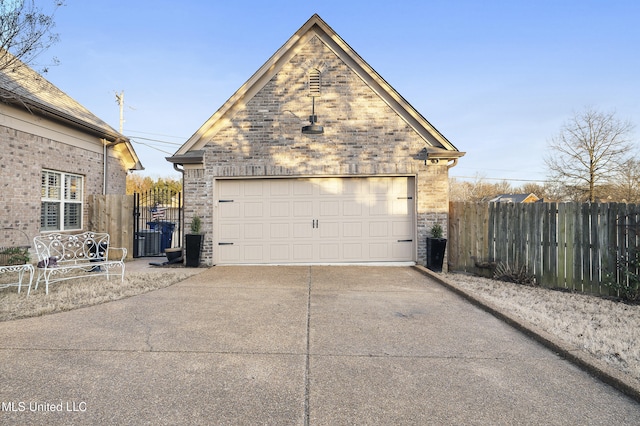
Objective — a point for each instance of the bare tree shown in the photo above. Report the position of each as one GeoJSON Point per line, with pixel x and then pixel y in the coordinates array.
{"type": "Point", "coordinates": [25, 31]}
{"type": "Point", "coordinates": [589, 150]}
{"type": "Point", "coordinates": [476, 191]}
{"type": "Point", "coordinates": [625, 187]}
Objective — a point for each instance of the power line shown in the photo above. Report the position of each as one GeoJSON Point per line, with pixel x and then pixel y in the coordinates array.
{"type": "Point", "coordinates": [152, 147]}
{"type": "Point", "coordinates": [157, 134]}
{"type": "Point", "coordinates": [157, 140]}
{"type": "Point", "coordinates": [501, 179]}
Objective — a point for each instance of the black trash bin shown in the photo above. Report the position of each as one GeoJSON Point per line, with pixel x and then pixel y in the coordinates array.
{"type": "Point", "coordinates": [166, 229]}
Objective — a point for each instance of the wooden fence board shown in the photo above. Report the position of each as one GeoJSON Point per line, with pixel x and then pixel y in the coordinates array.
{"type": "Point", "coordinates": [570, 226]}
{"type": "Point", "coordinates": [113, 214]}
{"type": "Point", "coordinates": [566, 245]}
{"type": "Point", "coordinates": [561, 272]}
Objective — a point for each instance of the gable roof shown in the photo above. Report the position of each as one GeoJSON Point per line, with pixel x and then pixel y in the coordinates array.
{"type": "Point", "coordinates": [23, 87]}
{"type": "Point", "coordinates": [438, 145]}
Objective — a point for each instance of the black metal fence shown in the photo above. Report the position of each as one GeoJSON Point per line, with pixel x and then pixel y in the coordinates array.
{"type": "Point", "coordinates": [157, 222]}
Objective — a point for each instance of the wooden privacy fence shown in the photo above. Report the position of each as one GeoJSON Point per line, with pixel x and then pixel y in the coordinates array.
{"type": "Point", "coordinates": [113, 214]}
{"type": "Point", "coordinates": [565, 245]}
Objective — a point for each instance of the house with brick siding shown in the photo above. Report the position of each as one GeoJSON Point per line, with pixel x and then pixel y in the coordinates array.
{"type": "Point", "coordinates": [316, 159]}
{"type": "Point", "coordinates": [55, 154]}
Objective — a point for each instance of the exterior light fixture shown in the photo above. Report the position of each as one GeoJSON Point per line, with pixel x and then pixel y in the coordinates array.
{"type": "Point", "coordinates": [314, 90]}
{"type": "Point", "coordinates": [313, 128]}
{"type": "Point", "coordinates": [423, 155]}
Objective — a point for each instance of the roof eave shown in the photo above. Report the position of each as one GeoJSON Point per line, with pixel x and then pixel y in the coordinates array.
{"type": "Point", "coordinates": [192, 157]}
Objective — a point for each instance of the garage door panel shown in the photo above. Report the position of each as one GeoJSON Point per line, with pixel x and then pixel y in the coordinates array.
{"type": "Point", "coordinates": [229, 189]}
{"type": "Point", "coordinates": [352, 187]}
{"type": "Point", "coordinates": [330, 208]}
{"type": "Point", "coordinates": [303, 208]}
{"type": "Point", "coordinates": [329, 252]}
{"type": "Point", "coordinates": [280, 252]}
{"type": "Point", "coordinates": [302, 187]}
{"type": "Point", "coordinates": [379, 229]}
{"type": "Point", "coordinates": [303, 252]}
{"type": "Point", "coordinates": [279, 209]}
{"type": "Point", "coordinates": [378, 251]}
{"type": "Point", "coordinates": [401, 250]}
{"type": "Point", "coordinates": [329, 229]}
{"type": "Point", "coordinates": [351, 208]}
{"type": "Point", "coordinates": [252, 209]}
{"type": "Point", "coordinates": [230, 231]}
{"type": "Point", "coordinates": [253, 231]}
{"type": "Point", "coordinates": [229, 210]}
{"type": "Point", "coordinates": [229, 253]}
{"type": "Point", "coordinates": [303, 230]}
{"type": "Point", "coordinates": [352, 230]}
{"type": "Point", "coordinates": [402, 229]}
{"type": "Point", "coordinates": [379, 185]}
{"type": "Point", "coordinates": [380, 207]}
{"type": "Point", "coordinates": [401, 207]}
{"type": "Point", "coordinates": [253, 189]}
{"type": "Point", "coordinates": [278, 187]}
{"type": "Point", "coordinates": [279, 231]}
{"type": "Point", "coordinates": [352, 251]}
{"type": "Point", "coordinates": [329, 186]}
{"type": "Point", "coordinates": [311, 220]}
{"type": "Point", "coordinates": [253, 253]}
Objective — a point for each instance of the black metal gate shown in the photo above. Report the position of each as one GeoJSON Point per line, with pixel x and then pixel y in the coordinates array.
{"type": "Point", "coordinates": [157, 222]}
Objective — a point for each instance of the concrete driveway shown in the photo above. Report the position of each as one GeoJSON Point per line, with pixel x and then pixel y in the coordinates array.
{"type": "Point", "coordinates": [292, 345]}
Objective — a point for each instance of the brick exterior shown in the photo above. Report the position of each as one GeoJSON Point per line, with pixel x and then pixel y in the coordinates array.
{"type": "Point", "coordinates": [23, 157]}
{"type": "Point", "coordinates": [363, 136]}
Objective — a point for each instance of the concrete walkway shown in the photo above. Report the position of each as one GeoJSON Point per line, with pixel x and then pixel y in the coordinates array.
{"type": "Point", "coordinates": [292, 345]}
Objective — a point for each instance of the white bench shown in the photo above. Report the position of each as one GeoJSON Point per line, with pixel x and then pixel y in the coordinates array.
{"type": "Point", "coordinates": [67, 256]}
{"type": "Point", "coordinates": [20, 270]}
{"type": "Point", "coordinates": [14, 259]}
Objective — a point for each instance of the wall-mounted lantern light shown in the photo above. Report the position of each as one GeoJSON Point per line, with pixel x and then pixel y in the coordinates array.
{"type": "Point", "coordinates": [423, 155]}
{"type": "Point", "coordinates": [313, 128]}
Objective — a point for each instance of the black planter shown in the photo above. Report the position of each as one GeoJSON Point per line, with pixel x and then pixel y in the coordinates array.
{"type": "Point", "coordinates": [435, 253]}
{"type": "Point", "coordinates": [193, 246]}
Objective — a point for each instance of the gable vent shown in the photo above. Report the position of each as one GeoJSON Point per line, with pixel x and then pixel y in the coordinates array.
{"type": "Point", "coordinates": [314, 83]}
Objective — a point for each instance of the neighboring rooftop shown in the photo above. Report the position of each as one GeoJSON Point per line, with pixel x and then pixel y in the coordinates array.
{"type": "Point", "coordinates": [20, 85]}
{"type": "Point", "coordinates": [515, 198]}
{"type": "Point", "coordinates": [23, 87]}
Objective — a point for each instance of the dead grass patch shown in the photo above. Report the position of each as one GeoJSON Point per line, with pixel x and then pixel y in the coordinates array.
{"type": "Point", "coordinates": [82, 292]}
{"type": "Point", "coordinates": [607, 329]}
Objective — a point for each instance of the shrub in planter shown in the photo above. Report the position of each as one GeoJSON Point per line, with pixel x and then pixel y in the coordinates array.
{"type": "Point", "coordinates": [436, 246]}
{"type": "Point", "coordinates": [193, 243]}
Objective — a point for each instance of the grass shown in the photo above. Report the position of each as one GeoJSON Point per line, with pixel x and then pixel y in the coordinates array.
{"type": "Point", "coordinates": [608, 329]}
{"type": "Point", "coordinates": [82, 292]}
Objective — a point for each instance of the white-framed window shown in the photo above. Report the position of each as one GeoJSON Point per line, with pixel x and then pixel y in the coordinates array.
{"type": "Point", "coordinates": [61, 201]}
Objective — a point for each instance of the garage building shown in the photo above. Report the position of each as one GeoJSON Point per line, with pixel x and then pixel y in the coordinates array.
{"type": "Point", "coordinates": [316, 159]}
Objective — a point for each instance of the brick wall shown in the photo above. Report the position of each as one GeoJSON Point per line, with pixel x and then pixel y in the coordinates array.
{"type": "Point", "coordinates": [23, 157]}
{"type": "Point", "coordinates": [362, 136]}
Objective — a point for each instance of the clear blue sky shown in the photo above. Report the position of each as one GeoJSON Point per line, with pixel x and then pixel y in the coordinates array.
{"type": "Point", "coordinates": [497, 78]}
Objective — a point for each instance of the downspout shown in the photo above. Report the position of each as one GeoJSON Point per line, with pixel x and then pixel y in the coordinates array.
{"type": "Point", "coordinates": [181, 208]}
{"type": "Point", "coordinates": [104, 166]}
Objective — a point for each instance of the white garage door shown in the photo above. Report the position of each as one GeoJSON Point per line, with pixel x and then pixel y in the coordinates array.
{"type": "Point", "coordinates": [315, 220]}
